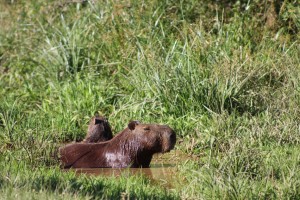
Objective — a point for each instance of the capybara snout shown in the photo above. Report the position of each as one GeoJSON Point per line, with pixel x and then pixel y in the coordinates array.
{"type": "Point", "coordinates": [172, 140]}
{"type": "Point", "coordinates": [169, 139]}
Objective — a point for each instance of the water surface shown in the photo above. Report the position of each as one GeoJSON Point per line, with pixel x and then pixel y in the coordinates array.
{"type": "Point", "coordinates": [163, 169]}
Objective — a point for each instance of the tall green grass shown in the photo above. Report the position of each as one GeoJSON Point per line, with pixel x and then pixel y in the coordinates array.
{"type": "Point", "coordinates": [215, 72]}
{"type": "Point", "coordinates": [58, 184]}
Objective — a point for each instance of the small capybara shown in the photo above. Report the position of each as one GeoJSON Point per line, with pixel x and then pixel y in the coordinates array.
{"type": "Point", "coordinates": [98, 130]}
{"type": "Point", "coordinates": [132, 147]}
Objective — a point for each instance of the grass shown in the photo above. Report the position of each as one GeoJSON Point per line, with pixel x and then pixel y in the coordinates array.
{"type": "Point", "coordinates": [54, 183]}
{"type": "Point", "coordinates": [219, 73]}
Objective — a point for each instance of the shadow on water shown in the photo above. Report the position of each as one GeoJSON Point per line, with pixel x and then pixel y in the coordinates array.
{"type": "Point", "coordinates": [163, 169]}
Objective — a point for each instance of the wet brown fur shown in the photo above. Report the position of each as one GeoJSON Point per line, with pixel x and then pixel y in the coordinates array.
{"type": "Point", "coordinates": [99, 130]}
{"type": "Point", "coordinates": [132, 147]}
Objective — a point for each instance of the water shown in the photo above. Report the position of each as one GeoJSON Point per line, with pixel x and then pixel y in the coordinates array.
{"type": "Point", "coordinates": [163, 169]}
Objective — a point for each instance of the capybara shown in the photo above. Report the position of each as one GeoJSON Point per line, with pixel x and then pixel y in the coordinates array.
{"type": "Point", "coordinates": [98, 130]}
{"type": "Point", "coordinates": [132, 147]}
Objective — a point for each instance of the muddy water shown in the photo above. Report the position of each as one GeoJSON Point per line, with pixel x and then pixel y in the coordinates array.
{"type": "Point", "coordinates": [162, 170]}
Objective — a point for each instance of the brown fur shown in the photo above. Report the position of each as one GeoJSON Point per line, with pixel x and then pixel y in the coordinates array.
{"type": "Point", "coordinates": [98, 130]}
{"type": "Point", "coordinates": [132, 147]}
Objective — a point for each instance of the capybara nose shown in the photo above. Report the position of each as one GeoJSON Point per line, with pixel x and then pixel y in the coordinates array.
{"type": "Point", "coordinates": [173, 137]}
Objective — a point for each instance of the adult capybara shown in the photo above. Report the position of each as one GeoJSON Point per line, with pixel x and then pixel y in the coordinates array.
{"type": "Point", "coordinates": [98, 130]}
{"type": "Point", "coordinates": [132, 147]}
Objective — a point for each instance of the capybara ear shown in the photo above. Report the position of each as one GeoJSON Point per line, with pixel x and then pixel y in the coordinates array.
{"type": "Point", "coordinates": [98, 121]}
{"type": "Point", "coordinates": [132, 124]}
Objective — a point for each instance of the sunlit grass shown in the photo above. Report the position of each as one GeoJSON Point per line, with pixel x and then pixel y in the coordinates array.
{"type": "Point", "coordinates": [219, 77]}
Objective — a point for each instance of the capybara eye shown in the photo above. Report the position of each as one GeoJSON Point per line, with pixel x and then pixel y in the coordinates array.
{"type": "Point", "coordinates": [146, 128]}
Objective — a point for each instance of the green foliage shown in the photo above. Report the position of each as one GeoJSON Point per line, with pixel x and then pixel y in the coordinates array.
{"type": "Point", "coordinates": [224, 75]}
{"type": "Point", "coordinates": [69, 184]}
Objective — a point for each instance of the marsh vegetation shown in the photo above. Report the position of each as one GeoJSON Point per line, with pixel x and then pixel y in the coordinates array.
{"type": "Point", "coordinates": [223, 74]}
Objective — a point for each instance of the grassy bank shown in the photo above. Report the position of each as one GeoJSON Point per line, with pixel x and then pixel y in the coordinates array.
{"type": "Point", "coordinates": [224, 75]}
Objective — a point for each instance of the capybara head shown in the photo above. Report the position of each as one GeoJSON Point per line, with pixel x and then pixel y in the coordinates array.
{"type": "Point", "coordinates": [154, 137]}
{"type": "Point", "coordinates": [98, 130]}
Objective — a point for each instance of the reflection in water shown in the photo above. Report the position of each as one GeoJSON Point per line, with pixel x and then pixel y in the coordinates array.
{"type": "Point", "coordinates": [162, 169]}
